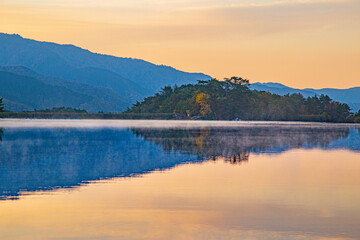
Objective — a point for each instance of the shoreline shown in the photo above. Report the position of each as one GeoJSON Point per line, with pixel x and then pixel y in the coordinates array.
{"type": "Point", "coordinates": [142, 116]}
{"type": "Point", "coordinates": [166, 124]}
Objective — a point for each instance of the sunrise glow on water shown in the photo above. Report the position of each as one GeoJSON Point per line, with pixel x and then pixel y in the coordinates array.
{"type": "Point", "coordinates": [285, 181]}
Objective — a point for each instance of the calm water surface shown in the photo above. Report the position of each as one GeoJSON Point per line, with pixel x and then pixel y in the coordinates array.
{"type": "Point", "coordinates": [93, 179]}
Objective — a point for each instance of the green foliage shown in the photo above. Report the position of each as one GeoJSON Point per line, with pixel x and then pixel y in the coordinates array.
{"type": "Point", "coordinates": [232, 99]}
{"type": "Point", "coordinates": [356, 117]}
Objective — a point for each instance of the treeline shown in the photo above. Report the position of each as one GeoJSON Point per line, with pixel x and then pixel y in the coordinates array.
{"type": "Point", "coordinates": [1, 105]}
{"type": "Point", "coordinates": [232, 99]}
{"type": "Point", "coordinates": [75, 115]}
{"type": "Point", "coordinates": [61, 110]}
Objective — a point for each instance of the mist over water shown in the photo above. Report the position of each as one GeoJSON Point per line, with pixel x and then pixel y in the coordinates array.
{"type": "Point", "coordinates": [45, 155]}
{"type": "Point", "coordinates": [178, 124]}
{"type": "Point", "coordinates": [42, 156]}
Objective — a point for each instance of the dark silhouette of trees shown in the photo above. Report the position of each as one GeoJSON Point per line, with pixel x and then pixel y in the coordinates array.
{"type": "Point", "coordinates": [232, 99]}
{"type": "Point", "coordinates": [1, 105]}
{"type": "Point", "coordinates": [61, 110]}
{"type": "Point", "coordinates": [356, 117]}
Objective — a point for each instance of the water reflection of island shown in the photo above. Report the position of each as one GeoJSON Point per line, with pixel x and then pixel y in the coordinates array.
{"type": "Point", "coordinates": [235, 144]}
{"type": "Point", "coordinates": [46, 159]}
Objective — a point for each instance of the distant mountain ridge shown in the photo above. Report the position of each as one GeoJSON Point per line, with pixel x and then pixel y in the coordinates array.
{"type": "Point", "coordinates": [109, 83]}
{"type": "Point", "coordinates": [351, 96]}
{"type": "Point", "coordinates": [62, 61]}
{"type": "Point", "coordinates": [23, 89]}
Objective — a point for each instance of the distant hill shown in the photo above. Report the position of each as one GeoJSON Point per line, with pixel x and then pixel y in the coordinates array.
{"type": "Point", "coordinates": [23, 89]}
{"type": "Point", "coordinates": [131, 78]}
{"type": "Point", "coordinates": [350, 96]}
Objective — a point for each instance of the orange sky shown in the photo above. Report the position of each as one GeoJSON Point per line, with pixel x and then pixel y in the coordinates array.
{"type": "Point", "coordinates": [300, 43]}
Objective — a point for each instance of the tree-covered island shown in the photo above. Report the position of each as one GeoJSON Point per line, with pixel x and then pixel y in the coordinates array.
{"type": "Point", "coordinates": [232, 99]}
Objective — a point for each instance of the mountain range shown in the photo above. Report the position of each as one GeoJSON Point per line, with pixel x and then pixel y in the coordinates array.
{"type": "Point", "coordinates": [351, 96]}
{"type": "Point", "coordinates": [38, 75]}
{"type": "Point", "coordinates": [114, 83]}
{"type": "Point", "coordinates": [23, 89]}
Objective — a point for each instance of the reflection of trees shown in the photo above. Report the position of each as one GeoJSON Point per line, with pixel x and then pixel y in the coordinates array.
{"type": "Point", "coordinates": [1, 133]}
{"type": "Point", "coordinates": [46, 159]}
{"type": "Point", "coordinates": [235, 159]}
{"type": "Point", "coordinates": [234, 144]}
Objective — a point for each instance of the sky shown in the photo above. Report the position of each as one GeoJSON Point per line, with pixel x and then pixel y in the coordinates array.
{"type": "Point", "coordinates": [299, 43]}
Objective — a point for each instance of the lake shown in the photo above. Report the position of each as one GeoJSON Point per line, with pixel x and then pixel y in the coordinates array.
{"type": "Point", "coordinates": [148, 179]}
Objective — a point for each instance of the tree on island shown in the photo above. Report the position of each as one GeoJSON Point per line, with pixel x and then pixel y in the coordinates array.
{"type": "Point", "coordinates": [232, 99]}
{"type": "Point", "coordinates": [356, 117]}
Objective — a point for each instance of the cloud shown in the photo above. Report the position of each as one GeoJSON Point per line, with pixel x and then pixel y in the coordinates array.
{"type": "Point", "coordinates": [285, 16]}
